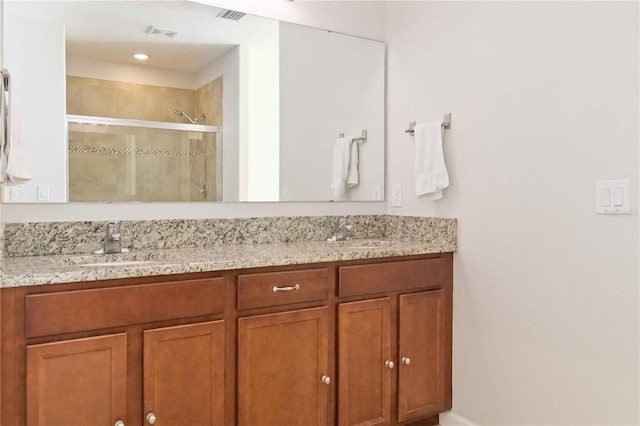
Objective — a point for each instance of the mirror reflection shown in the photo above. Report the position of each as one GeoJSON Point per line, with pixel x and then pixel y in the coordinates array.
{"type": "Point", "coordinates": [180, 101]}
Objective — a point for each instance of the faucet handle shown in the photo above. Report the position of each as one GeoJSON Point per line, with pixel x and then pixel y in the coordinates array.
{"type": "Point", "coordinates": [113, 231]}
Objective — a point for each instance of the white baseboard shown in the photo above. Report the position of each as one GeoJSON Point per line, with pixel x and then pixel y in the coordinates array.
{"type": "Point", "coordinates": [450, 418]}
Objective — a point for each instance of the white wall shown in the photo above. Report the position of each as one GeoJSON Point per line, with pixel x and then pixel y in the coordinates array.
{"type": "Point", "coordinates": [130, 73]}
{"type": "Point", "coordinates": [37, 88]}
{"type": "Point", "coordinates": [350, 99]}
{"type": "Point", "coordinates": [355, 17]}
{"type": "Point", "coordinates": [544, 101]}
{"type": "Point", "coordinates": [260, 68]}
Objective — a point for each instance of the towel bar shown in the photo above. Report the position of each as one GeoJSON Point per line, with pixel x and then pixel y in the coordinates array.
{"type": "Point", "coordinates": [446, 123]}
{"type": "Point", "coordinates": [362, 138]}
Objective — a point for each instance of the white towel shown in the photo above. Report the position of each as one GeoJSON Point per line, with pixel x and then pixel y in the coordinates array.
{"type": "Point", "coordinates": [15, 167]}
{"type": "Point", "coordinates": [430, 170]}
{"type": "Point", "coordinates": [341, 160]}
{"type": "Point", "coordinates": [353, 176]}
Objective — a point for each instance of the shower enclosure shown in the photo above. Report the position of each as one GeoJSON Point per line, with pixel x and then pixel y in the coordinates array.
{"type": "Point", "coordinates": [113, 159]}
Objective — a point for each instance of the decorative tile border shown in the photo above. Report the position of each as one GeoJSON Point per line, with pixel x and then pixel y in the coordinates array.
{"type": "Point", "coordinates": [49, 238]}
{"type": "Point", "coordinates": [129, 151]}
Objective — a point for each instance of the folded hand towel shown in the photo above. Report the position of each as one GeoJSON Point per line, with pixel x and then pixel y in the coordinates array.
{"type": "Point", "coordinates": [341, 160]}
{"type": "Point", "coordinates": [431, 172]}
{"type": "Point", "coordinates": [353, 176]}
{"type": "Point", "coordinates": [15, 167]}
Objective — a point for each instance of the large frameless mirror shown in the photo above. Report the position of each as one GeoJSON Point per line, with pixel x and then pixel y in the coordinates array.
{"type": "Point", "coordinates": [217, 106]}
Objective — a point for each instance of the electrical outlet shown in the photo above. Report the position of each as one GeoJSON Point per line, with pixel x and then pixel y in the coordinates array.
{"type": "Point", "coordinates": [43, 193]}
{"type": "Point", "coordinates": [396, 196]}
{"type": "Point", "coordinates": [284, 193]}
{"type": "Point", "coordinates": [14, 193]}
{"type": "Point", "coordinates": [376, 192]}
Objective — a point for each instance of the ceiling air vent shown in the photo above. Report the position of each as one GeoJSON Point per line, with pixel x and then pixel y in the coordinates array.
{"type": "Point", "coordinates": [168, 33]}
{"type": "Point", "coordinates": [231, 15]}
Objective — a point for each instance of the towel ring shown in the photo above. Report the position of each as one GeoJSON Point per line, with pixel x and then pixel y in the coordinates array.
{"type": "Point", "coordinates": [446, 123]}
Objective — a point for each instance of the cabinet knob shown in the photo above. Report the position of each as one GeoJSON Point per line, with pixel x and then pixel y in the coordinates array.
{"type": "Point", "coordinates": [389, 364]}
{"type": "Point", "coordinates": [151, 418]}
{"type": "Point", "coordinates": [406, 360]}
{"type": "Point", "coordinates": [326, 380]}
{"type": "Point", "coordinates": [118, 423]}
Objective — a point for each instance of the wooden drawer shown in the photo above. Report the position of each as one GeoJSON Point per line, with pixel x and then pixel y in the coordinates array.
{"type": "Point", "coordinates": [282, 288]}
{"type": "Point", "coordinates": [71, 311]}
{"type": "Point", "coordinates": [393, 276]}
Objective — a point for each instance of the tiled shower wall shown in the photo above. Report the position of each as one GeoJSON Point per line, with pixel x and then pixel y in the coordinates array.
{"type": "Point", "coordinates": [109, 163]}
{"type": "Point", "coordinates": [106, 98]}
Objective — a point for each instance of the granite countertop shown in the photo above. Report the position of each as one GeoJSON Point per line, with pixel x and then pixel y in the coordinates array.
{"type": "Point", "coordinates": [40, 270]}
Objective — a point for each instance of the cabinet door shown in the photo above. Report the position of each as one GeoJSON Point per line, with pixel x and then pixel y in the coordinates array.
{"type": "Point", "coordinates": [184, 374]}
{"type": "Point", "coordinates": [282, 359]}
{"type": "Point", "coordinates": [421, 385]}
{"type": "Point", "coordinates": [77, 382]}
{"type": "Point", "coordinates": [364, 343]}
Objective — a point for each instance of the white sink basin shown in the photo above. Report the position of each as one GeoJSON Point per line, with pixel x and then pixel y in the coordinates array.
{"type": "Point", "coordinates": [119, 263]}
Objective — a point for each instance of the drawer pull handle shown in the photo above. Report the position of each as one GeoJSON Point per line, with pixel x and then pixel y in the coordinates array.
{"type": "Point", "coordinates": [406, 360]}
{"type": "Point", "coordinates": [292, 288]}
{"type": "Point", "coordinates": [326, 380]}
{"type": "Point", "coordinates": [151, 418]}
{"type": "Point", "coordinates": [119, 423]}
{"type": "Point", "coordinates": [389, 364]}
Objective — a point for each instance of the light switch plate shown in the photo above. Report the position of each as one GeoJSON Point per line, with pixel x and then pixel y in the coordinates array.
{"type": "Point", "coordinates": [612, 196]}
{"type": "Point", "coordinates": [396, 196]}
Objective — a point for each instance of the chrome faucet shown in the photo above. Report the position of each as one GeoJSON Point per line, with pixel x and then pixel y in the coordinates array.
{"type": "Point", "coordinates": [112, 242]}
{"type": "Point", "coordinates": [341, 231]}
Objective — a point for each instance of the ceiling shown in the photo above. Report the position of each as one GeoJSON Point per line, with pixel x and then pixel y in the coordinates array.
{"type": "Point", "coordinates": [115, 30]}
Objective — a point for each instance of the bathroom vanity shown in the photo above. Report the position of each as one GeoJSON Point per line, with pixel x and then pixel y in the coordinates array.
{"type": "Point", "coordinates": [350, 338]}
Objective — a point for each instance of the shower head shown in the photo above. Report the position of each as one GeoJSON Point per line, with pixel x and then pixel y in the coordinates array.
{"type": "Point", "coordinates": [185, 115]}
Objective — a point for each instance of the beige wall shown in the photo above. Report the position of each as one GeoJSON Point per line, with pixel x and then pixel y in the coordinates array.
{"type": "Point", "coordinates": [544, 99]}
{"type": "Point", "coordinates": [126, 164]}
{"type": "Point", "coordinates": [208, 100]}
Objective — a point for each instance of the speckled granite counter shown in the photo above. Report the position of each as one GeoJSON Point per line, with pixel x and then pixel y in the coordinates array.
{"type": "Point", "coordinates": [52, 252]}
{"type": "Point", "coordinates": [39, 270]}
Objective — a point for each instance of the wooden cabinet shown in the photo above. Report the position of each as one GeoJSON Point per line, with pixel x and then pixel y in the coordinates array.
{"type": "Point", "coordinates": [84, 381]}
{"type": "Point", "coordinates": [394, 351]}
{"type": "Point", "coordinates": [184, 374]}
{"type": "Point", "coordinates": [111, 356]}
{"type": "Point", "coordinates": [77, 382]}
{"type": "Point", "coordinates": [283, 369]}
{"type": "Point", "coordinates": [364, 345]}
{"type": "Point", "coordinates": [422, 349]}
{"type": "Point", "coordinates": [343, 343]}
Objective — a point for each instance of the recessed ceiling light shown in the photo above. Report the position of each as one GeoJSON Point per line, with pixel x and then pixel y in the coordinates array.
{"type": "Point", "coordinates": [141, 56]}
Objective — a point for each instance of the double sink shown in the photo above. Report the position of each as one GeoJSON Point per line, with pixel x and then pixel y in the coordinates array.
{"type": "Point", "coordinates": [150, 258]}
